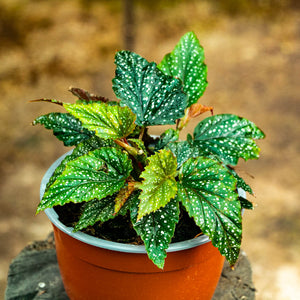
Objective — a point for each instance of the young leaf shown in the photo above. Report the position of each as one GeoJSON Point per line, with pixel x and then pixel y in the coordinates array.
{"type": "Point", "coordinates": [228, 136]}
{"type": "Point", "coordinates": [183, 151]}
{"type": "Point", "coordinates": [157, 229]}
{"type": "Point", "coordinates": [142, 152]}
{"type": "Point", "coordinates": [208, 192]}
{"type": "Point", "coordinates": [85, 96]}
{"type": "Point", "coordinates": [159, 186]}
{"type": "Point", "coordinates": [98, 174]}
{"type": "Point", "coordinates": [154, 97]}
{"type": "Point", "coordinates": [109, 122]}
{"type": "Point", "coordinates": [170, 135]}
{"type": "Point", "coordinates": [186, 62]}
{"type": "Point", "coordinates": [65, 127]}
{"type": "Point", "coordinates": [246, 204]}
{"type": "Point", "coordinates": [241, 182]}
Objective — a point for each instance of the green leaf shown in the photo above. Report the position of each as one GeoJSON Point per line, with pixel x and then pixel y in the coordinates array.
{"type": "Point", "coordinates": [98, 174]}
{"type": "Point", "coordinates": [186, 62]}
{"type": "Point", "coordinates": [81, 149]}
{"type": "Point", "coordinates": [65, 127]}
{"type": "Point", "coordinates": [154, 97]}
{"type": "Point", "coordinates": [246, 204]}
{"type": "Point", "coordinates": [228, 136]}
{"type": "Point", "coordinates": [183, 151]}
{"type": "Point", "coordinates": [102, 210]}
{"type": "Point", "coordinates": [96, 210]}
{"type": "Point", "coordinates": [208, 192]}
{"type": "Point", "coordinates": [139, 144]}
{"type": "Point", "coordinates": [241, 182]}
{"type": "Point", "coordinates": [159, 185]}
{"type": "Point", "coordinates": [109, 122]}
{"type": "Point", "coordinates": [170, 135]}
{"type": "Point", "coordinates": [157, 229]}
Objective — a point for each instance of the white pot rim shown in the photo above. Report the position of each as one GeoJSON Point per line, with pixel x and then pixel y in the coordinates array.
{"type": "Point", "coordinates": [109, 245]}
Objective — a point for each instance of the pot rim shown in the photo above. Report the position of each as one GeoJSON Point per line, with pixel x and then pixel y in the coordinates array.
{"type": "Point", "coordinates": [110, 245]}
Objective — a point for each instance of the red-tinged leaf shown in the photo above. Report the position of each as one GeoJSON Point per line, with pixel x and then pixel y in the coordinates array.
{"type": "Point", "coordinates": [86, 96]}
{"type": "Point", "coordinates": [122, 196]}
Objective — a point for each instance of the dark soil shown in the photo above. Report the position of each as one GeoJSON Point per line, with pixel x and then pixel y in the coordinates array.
{"type": "Point", "coordinates": [120, 229]}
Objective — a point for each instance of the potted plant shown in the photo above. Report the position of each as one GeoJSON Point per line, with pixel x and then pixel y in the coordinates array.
{"type": "Point", "coordinates": [143, 217]}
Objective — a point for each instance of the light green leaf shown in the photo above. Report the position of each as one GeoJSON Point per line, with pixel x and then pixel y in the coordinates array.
{"type": "Point", "coordinates": [154, 97]}
{"type": "Point", "coordinates": [108, 122]}
{"type": "Point", "coordinates": [159, 185]}
{"type": "Point", "coordinates": [186, 62]}
{"type": "Point", "coordinates": [65, 127]}
{"type": "Point", "coordinates": [157, 229]}
{"type": "Point", "coordinates": [98, 174]}
{"type": "Point", "coordinates": [208, 192]}
{"type": "Point", "coordinates": [229, 137]}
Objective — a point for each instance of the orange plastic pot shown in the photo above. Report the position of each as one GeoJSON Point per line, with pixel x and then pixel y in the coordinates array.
{"type": "Point", "coordinates": [92, 268]}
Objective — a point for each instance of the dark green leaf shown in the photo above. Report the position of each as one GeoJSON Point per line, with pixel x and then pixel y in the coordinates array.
{"type": "Point", "coordinates": [155, 98]}
{"type": "Point", "coordinates": [102, 210]}
{"type": "Point", "coordinates": [65, 127]}
{"type": "Point", "coordinates": [241, 182]}
{"type": "Point", "coordinates": [208, 192]}
{"type": "Point", "coordinates": [186, 62]}
{"type": "Point", "coordinates": [159, 186]}
{"type": "Point", "coordinates": [96, 210]}
{"type": "Point", "coordinates": [246, 204]}
{"type": "Point", "coordinates": [228, 136]}
{"type": "Point", "coordinates": [170, 135]}
{"type": "Point", "coordinates": [109, 122]}
{"type": "Point", "coordinates": [157, 229]}
{"type": "Point", "coordinates": [81, 149]}
{"type": "Point", "coordinates": [98, 174]}
{"type": "Point", "coordinates": [183, 151]}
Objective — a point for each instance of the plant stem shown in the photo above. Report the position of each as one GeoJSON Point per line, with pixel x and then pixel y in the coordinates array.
{"type": "Point", "coordinates": [142, 133]}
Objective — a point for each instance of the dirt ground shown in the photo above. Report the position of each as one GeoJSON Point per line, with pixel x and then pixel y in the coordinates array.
{"type": "Point", "coordinates": [253, 63]}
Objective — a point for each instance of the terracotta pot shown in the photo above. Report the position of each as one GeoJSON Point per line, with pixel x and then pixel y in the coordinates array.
{"type": "Point", "coordinates": [92, 268]}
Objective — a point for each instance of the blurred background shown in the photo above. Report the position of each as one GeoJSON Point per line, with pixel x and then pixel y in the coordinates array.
{"type": "Point", "coordinates": [252, 52]}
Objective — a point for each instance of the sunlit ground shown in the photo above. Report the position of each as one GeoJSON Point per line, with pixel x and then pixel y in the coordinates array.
{"type": "Point", "coordinates": [253, 71]}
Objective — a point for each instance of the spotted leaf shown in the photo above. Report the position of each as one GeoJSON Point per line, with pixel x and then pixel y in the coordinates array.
{"type": "Point", "coordinates": [170, 135]}
{"type": "Point", "coordinates": [186, 62]}
{"type": "Point", "coordinates": [241, 182]}
{"type": "Point", "coordinates": [159, 185]}
{"type": "Point", "coordinates": [246, 204]}
{"type": "Point", "coordinates": [154, 97]}
{"type": "Point", "coordinates": [98, 174]}
{"type": "Point", "coordinates": [108, 122]}
{"type": "Point", "coordinates": [96, 210]}
{"type": "Point", "coordinates": [208, 192]}
{"type": "Point", "coordinates": [83, 148]}
{"type": "Point", "coordinates": [65, 127]}
{"type": "Point", "coordinates": [157, 229]}
{"type": "Point", "coordinates": [228, 136]}
{"type": "Point", "coordinates": [103, 210]}
{"type": "Point", "coordinates": [183, 151]}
